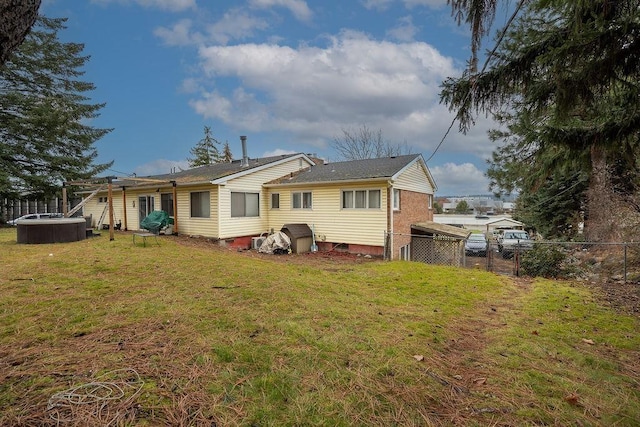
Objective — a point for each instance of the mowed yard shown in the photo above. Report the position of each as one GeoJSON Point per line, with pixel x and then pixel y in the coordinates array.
{"type": "Point", "coordinates": [103, 332]}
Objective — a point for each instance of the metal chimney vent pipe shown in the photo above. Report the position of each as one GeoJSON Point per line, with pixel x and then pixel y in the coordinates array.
{"type": "Point", "coordinates": [245, 159]}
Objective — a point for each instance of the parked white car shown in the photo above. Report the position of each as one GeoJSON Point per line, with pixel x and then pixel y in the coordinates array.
{"type": "Point", "coordinates": [34, 216]}
{"type": "Point", "coordinates": [512, 240]}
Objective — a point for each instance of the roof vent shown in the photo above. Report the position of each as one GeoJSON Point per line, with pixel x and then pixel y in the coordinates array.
{"type": "Point", "coordinates": [245, 159]}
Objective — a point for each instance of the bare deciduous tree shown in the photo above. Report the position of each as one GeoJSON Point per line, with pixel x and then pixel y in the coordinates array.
{"type": "Point", "coordinates": [365, 143]}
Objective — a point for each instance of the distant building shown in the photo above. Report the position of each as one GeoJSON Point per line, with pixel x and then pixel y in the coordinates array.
{"type": "Point", "coordinates": [478, 205]}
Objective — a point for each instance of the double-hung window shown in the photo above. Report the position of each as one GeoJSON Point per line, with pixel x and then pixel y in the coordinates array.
{"type": "Point", "coordinates": [301, 200]}
{"type": "Point", "coordinates": [361, 199]}
{"type": "Point", "coordinates": [245, 204]}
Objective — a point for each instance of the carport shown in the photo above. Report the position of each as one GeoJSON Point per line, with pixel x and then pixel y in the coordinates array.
{"type": "Point", "coordinates": [503, 224]}
{"type": "Point", "coordinates": [435, 243]}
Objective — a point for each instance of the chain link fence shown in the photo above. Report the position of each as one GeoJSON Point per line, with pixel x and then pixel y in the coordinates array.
{"type": "Point", "coordinates": [584, 260]}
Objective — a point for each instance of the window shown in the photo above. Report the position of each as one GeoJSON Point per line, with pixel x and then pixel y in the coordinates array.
{"type": "Point", "coordinates": [166, 203]}
{"type": "Point", "coordinates": [361, 199]}
{"type": "Point", "coordinates": [245, 204]}
{"type": "Point", "coordinates": [301, 200]}
{"type": "Point", "coordinates": [396, 199]}
{"type": "Point", "coordinates": [430, 201]}
{"type": "Point", "coordinates": [200, 204]}
{"type": "Point", "coordinates": [275, 201]}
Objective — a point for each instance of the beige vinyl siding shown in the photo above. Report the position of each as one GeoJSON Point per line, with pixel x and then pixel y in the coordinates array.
{"type": "Point", "coordinates": [414, 178]}
{"type": "Point", "coordinates": [94, 208]}
{"type": "Point", "coordinates": [331, 222]}
{"type": "Point", "coordinates": [251, 183]}
{"type": "Point", "coordinates": [207, 227]}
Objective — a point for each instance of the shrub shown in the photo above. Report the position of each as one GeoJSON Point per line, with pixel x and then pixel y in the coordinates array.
{"type": "Point", "coordinates": [545, 261]}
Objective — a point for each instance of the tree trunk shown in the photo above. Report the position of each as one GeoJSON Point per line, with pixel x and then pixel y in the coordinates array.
{"type": "Point", "coordinates": [609, 218]}
{"type": "Point", "coordinates": [18, 16]}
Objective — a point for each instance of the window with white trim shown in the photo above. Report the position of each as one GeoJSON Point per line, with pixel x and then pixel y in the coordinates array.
{"type": "Point", "coordinates": [361, 199]}
{"type": "Point", "coordinates": [396, 199]}
{"type": "Point", "coordinates": [430, 201]}
{"type": "Point", "coordinates": [245, 204]}
{"type": "Point", "coordinates": [200, 204]}
{"type": "Point", "coordinates": [301, 200]}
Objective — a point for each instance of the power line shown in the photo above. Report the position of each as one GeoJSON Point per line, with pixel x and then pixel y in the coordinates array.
{"type": "Point", "coordinates": [122, 173]}
{"type": "Point", "coordinates": [484, 67]}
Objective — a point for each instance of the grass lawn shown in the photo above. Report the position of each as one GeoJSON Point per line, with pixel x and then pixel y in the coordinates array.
{"type": "Point", "coordinates": [103, 332]}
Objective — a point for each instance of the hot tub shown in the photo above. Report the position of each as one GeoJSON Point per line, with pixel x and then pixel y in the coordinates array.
{"type": "Point", "coordinates": [59, 230]}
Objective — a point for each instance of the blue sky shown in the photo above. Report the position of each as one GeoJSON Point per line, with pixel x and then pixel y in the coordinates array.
{"type": "Point", "coordinates": [288, 74]}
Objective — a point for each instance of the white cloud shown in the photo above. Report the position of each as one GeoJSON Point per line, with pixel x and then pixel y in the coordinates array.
{"type": "Point", "coordinates": [313, 92]}
{"type": "Point", "coordinates": [190, 85]}
{"type": "Point", "coordinates": [435, 4]}
{"type": "Point", "coordinates": [179, 35]}
{"type": "Point", "coordinates": [377, 4]}
{"type": "Point", "coordinates": [161, 166]}
{"type": "Point", "coordinates": [236, 24]}
{"type": "Point", "coordinates": [405, 30]}
{"type": "Point", "coordinates": [170, 5]}
{"type": "Point", "coordinates": [298, 8]}
{"type": "Point", "coordinates": [382, 5]}
{"type": "Point", "coordinates": [459, 179]}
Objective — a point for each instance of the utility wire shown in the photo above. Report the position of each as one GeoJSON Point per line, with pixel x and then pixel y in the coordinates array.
{"type": "Point", "coordinates": [484, 67]}
{"type": "Point", "coordinates": [122, 173]}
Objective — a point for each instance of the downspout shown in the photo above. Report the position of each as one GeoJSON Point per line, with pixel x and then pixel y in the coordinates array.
{"type": "Point", "coordinates": [176, 230]}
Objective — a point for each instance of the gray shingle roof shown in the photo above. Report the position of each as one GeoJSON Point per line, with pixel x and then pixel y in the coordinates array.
{"type": "Point", "coordinates": [352, 170]}
{"type": "Point", "coordinates": [208, 172]}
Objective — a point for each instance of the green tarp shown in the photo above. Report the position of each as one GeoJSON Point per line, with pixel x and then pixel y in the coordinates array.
{"type": "Point", "coordinates": [156, 221]}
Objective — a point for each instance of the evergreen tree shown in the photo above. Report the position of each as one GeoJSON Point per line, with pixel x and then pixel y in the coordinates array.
{"type": "Point", "coordinates": [227, 155]}
{"type": "Point", "coordinates": [45, 138]}
{"type": "Point", "coordinates": [205, 151]}
{"type": "Point", "coordinates": [569, 72]}
{"type": "Point", "coordinates": [462, 207]}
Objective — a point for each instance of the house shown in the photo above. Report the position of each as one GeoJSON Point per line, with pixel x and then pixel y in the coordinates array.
{"type": "Point", "coordinates": [486, 224]}
{"type": "Point", "coordinates": [356, 206]}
